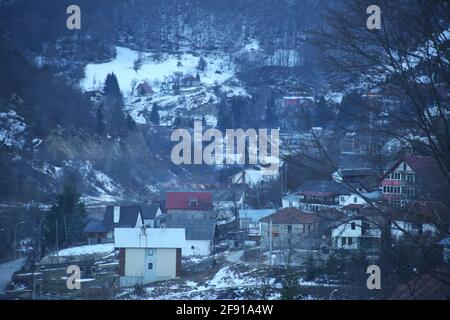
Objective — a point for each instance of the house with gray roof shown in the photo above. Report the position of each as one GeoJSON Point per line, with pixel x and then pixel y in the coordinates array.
{"type": "Point", "coordinates": [200, 235]}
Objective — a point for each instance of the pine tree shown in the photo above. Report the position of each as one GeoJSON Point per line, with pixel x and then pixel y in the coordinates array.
{"type": "Point", "coordinates": [100, 119]}
{"type": "Point", "coordinates": [270, 117]}
{"type": "Point", "coordinates": [131, 123]}
{"type": "Point", "coordinates": [69, 214]}
{"type": "Point", "coordinates": [310, 268]}
{"type": "Point", "coordinates": [201, 66]}
{"type": "Point", "coordinates": [114, 105]}
{"type": "Point", "coordinates": [154, 116]}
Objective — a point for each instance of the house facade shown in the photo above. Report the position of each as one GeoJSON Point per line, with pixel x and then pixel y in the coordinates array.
{"type": "Point", "coordinates": [249, 220]}
{"type": "Point", "coordinates": [318, 195]}
{"type": "Point", "coordinates": [288, 228]}
{"type": "Point", "coordinates": [408, 178]}
{"type": "Point", "coordinates": [190, 204]}
{"type": "Point", "coordinates": [356, 232]}
{"type": "Point", "coordinates": [148, 254]}
{"type": "Point", "coordinates": [200, 235]}
{"type": "Point", "coordinates": [419, 219]}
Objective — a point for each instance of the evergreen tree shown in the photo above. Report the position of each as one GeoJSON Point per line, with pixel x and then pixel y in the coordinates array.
{"type": "Point", "coordinates": [114, 105]}
{"type": "Point", "coordinates": [201, 66]}
{"type": "Point", "coordinates": [310, 268]}
{"type": "Point", "coordinates": [100, 118]}
{"type": "Point", "coordinates": [66, 218]}
{"type": "Point", "coordinates": [270, 116]}
{"type": "Point", "coordinates": [154, 116]}
{"type": "Point", "coordinates": [131, 123]}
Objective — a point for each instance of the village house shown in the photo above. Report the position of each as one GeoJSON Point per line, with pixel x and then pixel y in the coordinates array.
{"type": "Point", "coordinates": [356, 232]}
{"type": "Point", "coordinates": [249, 222]}
{"type": "Point", "coordinates": [200, 235]}
{"type": "Point", "coordinates": [190, 81]}
{"type": "Point", "coordinates": [288, 228]}
{"type": "Point", "coordinates": [190, 204]}
{"type": "Point", "coordinates": [144, 89]}
{"type": "Point", "coordinates": [151, 213]}
{"type": "Point", "coordinates": [148, 254]}
{"type": "Point", "coordinates": [290, 200]}
{"type": "Point", "coordinates": [227, 201]}
{"type": "Point", "coordinates": [409, 178]}
{"type": "Point", "coordinates": [357, 168]}
{"type": "Point", "coordinates": [419, 219]}
{"type": "Point", "coordinates": [317, 195]}
{"type": "Point", "coordinates": [96, 232]}
{"type": "Point", "coordinates": [124, 216]}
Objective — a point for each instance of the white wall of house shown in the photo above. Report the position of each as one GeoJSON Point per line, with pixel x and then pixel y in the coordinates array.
{"type": "Point", "coordinates": [353, 230]}
{"type": "Point", "coordinates": [197, 248]}
{"type": "Point", "coordinates": [134, 262]}
{"type": "Point", "coordinates": [166, 262]}
{"type": "Point", "coordinates": [290, 201]}
{"type": "Point", "coordinates": [351, 199]}
{"type": "Point", "coordinates": [399, 227]}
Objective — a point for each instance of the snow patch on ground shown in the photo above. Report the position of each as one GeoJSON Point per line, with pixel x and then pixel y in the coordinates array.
{"type": "Point", "coordinates": [12, 128]}
{"type": "Point", "coordinates": [87, 249]}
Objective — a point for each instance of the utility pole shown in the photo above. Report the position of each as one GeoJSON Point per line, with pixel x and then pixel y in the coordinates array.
{"type": "Point", "coordinates": [15, 238]}
{"type": "Point", "coordinates": [270, 242]}
{"type": "Point", "coordinates": [57, 242]}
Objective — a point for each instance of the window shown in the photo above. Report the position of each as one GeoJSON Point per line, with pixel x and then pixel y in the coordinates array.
{"type": "Point", "coordinates": [193, 203]}
{"type": "Point", "coordinates": [192, 247]}
{"type": "Point", "coordinates": [404, 166]}
{"type": "Point", "coordinates": [289, 229]}
{"type": "Point", "coordinates": [350, 241]}
{"type": "Point", "coordinates": [150, 266]}
{"type": "Point", "coordinates": [150, 252]}
{"type": "Point", "coordinates": [343, 241]}
{"type": "Point", "coordinates": [355, 200]}
{"type": "Point", "coordinates": [353, 225]}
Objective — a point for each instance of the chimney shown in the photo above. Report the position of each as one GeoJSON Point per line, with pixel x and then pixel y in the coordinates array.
{"type": "Point", "coordinates": [116, 214]}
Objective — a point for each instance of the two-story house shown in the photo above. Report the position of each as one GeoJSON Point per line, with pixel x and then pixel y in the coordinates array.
{"type": "Point", "coordinates": [288, 228]}
{"type": "Point", "coordinates": [410, 178]}
{"type": "Point", "coordinates": [356, 232]}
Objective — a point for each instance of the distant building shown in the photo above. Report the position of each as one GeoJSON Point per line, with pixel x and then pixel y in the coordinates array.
{"type": "Point", "coordinates": [148, 254]}
{"type": "Point", "coordinates": [190, 204]}
{"type": "Point", "coordinates": [419, 219]}
{"type": "Point", "coordinates": [121, 216]}
{"type": "Point", "coordinates": [317, 195]}
{"type": "Point", "coordinates": [410, 178]}
{"type": "Point", "coordinates": [356, 232]}
{"type": "Point", "coordinates": [95, 232]}
{"type": "Point", "coordinates": [190, 81]}
{"type": "Point", "coordinates": [200, 235]}
{"type": "Point", "coordinates": [144, 89]}
{"type": "Point", "coordinates": [249, 220]}
{"type": "Point", "coordinates": [230, 199]}
{"type": "Point", "coordinates": [290, 228]}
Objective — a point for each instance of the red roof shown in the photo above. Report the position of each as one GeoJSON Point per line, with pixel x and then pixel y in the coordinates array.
{"type": "Point", "coordinates": [188, 200]}
{"type": "Point", "coordinates": [417, 163]}
{"type": "Point", "coordinates": [291, 216]}
{"type": "Point", "coordinates": [434, 285]}
{"type": "Point", "coordinates": [423, 211]}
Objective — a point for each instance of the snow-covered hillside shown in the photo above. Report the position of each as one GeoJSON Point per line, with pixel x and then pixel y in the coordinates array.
{"type": "Point", "coordinates": [160, 71]}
